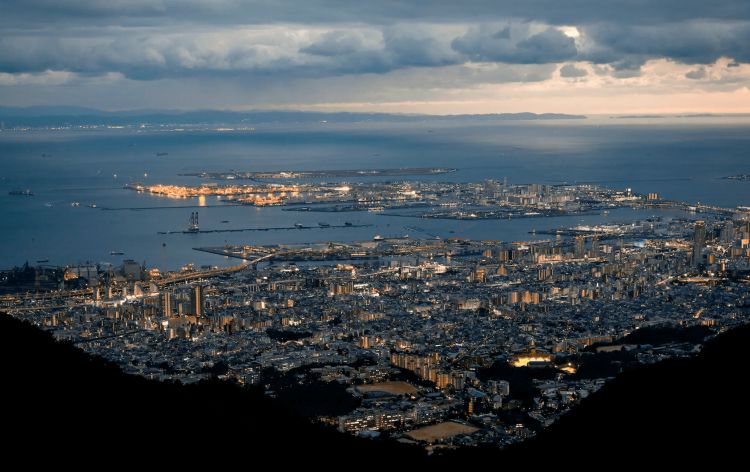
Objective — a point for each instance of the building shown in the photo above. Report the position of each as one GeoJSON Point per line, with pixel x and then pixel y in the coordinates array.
{"type": "Point", "coordinates": [699, 240]}
{"type": "Point", "coordinates": [132, 270]}
{"type": "Point", "coordinates": [580, 248]}
{"type": "Point", "coordinates": [197, 301]}
{"type": "Point", "coordinates": [167, 308]}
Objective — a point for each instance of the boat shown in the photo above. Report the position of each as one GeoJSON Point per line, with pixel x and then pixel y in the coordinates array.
{"type": "Point", "coordinates": [116, 253]}
{"type": "Point", "coordinates": [24, 193]}
{"type": "Point", "coordinates": [92, 205]}
{"type": "Point", "coordinates": [225, 221]}
{"type": "Point", "coordinates": [324, 225]}
{"type": "Point", "coordinates": [41, 261]}
{"type": "Point", "coordinates": [75, 204]}
{"type": "Point", "coordinates": [298, 225]}
{"type": "Point", "coordinates": [377, 237]}
{"type": "Point", "coordinates": [347, 223]}
{"type": "Point", "coordinates": [160, 154]}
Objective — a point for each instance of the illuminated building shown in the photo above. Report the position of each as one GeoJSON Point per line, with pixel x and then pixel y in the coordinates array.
{"type": "Point", "coordinates": [166, 304]}
{"type": "Point", "coordinates": [197, 302]}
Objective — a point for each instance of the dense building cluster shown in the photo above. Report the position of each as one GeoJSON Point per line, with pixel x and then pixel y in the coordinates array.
{"type": "Point", "coordinates": [437, 341]}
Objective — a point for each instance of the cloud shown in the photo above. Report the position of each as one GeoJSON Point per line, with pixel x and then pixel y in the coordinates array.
{"type": "Point", "coordinates": [385, 50]}
{"type": "Point", "coordinates": [518, 44]}
{"type": "Point", "coordinates": [144, 41]}
{"type": "Point", "coordinates": [422, 49]}
{"type": "Point", "coordinates": [378, 51]}
{"type": "Point", "coordinates": [696, 74]}
{"type": "Point", "coordinates": [149, 54]}
{"type": "Point", "coordinates": [571, 71]}
{"type": "Point", "coordinates": [45, 78]}
{"type": "Point", "coordinates": [694, 42]}
{"type": "Point", "coordinates": [337, 43]}
{"type": "Point", "coordinates": [226, 12]}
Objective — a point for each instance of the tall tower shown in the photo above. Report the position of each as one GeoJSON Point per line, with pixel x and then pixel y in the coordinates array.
{"type": "Point", "coordinates": [193, 227]}
{"type": "Point", "coordinates": [197, 301]}
{"type": "Point", "coordinates": [699, 240]}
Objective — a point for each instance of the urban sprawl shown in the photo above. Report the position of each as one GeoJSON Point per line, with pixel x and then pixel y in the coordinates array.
{"type": "Point", "coordinates": [437, 341]}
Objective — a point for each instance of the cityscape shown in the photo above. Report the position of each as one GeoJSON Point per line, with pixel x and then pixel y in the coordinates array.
{"type": "Point", "coordinates": [435, 341]}
{"type": "Point", "coordinates": [391, 235]}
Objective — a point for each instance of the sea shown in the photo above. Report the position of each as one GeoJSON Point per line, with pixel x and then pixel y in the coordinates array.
{"type": "Point", "coordinates": [679, 158]}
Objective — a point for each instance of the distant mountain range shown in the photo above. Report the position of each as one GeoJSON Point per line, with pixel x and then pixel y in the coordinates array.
{"type": "Point", "coordinates": [44, 116]}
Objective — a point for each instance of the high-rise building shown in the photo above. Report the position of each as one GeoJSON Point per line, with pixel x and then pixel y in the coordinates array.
{"type": "Point", "coordinates": [727, 233]}
{"type": "Point", "coordinates": [699, 240]}
{"type": "Point", "coordinates": [166, 304]}
{"type": "Point", "coordinates": [580, 248]}
{"type": "Point", "coordinates": [196, 301]}
{"type": "Point", "coordinates": [595, 246]}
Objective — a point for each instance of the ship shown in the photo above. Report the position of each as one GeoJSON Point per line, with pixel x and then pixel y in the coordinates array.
{"type": "Point", "coordinates": [116, 253]}
{"type": "Point", "coordinates": [347, 223]}
{"type": "Point", "coordinates": [377, 237]}
{"type": "Point", "coordinates": [160, 154]}
{"type": "Point", "coordinates": [298, 225]}
{"type": "Point", "coordinates": [24, 193]}
{"type": "Point", "coordinates": [324, 225]}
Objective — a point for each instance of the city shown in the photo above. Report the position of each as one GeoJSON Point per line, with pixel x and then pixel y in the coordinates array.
{"type": "Point", "coordinates": [439, 342]}
{"type": "Point", "coordinates": [388, 235]}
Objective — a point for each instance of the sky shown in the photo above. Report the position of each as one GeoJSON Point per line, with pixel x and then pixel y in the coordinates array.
{"type": "Point", "coordinates": [431, 56]}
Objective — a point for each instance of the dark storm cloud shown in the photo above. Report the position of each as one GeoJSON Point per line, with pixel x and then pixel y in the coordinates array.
{"type": "Point", "coordinates": [409, 49]}
{"type": "Point", "coordinates": [381, 11]}
{"type": "Point", "coordinates": [393, 48]}
{"type": "Point", "coordinates": [694, 42]}
{"type": "Point", "coordinates": [152, 39]}
{"type": "Point", "coordinates": [486, 44]}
